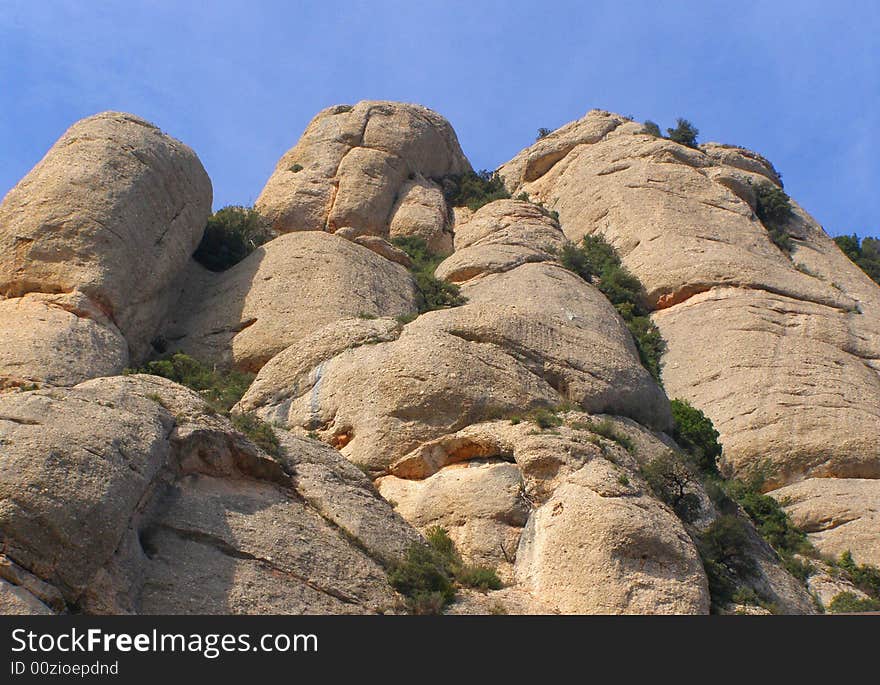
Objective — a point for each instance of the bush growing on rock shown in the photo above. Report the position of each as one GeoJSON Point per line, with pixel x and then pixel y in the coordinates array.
{"type": "Point", "coordinates": [231, 235]}
{"type": "Point", "coordinates": [543, 133]}
{"type": "Point", "coordinates": [774, 209]}
{"type": "Point", "coordinates": [684, 132]}
{"type": "Point", "coordinates": [696, 434]}
{"type": "Point", "coordinates": [428, 575]}
{"type": "Point", "coordinates": [434, 293]}
{"type": "Point", "coordinates": [864, 576]}
{"type": "Point", "coordinates": [221, 389]}
{"type": "Point", "coordinates": [474, 189]}
{"type": "Point", "coordinates": [258, 431]}
{"type": "Point", "coordinates": [673, 482]}
{"type": "Point", "coordinates": [596, 261]}
{"type": "Point", "coordinates": [849, 602]}
{"type": "Point", "coordinates": [652, 129]}
{"type": "Point", "coordinates": [865, 253]}
{"type": "Point", "coordinates": [722, 547]}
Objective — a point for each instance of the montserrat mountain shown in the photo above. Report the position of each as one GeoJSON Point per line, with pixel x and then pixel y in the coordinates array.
{"type": "Point", "coordinates": [421, 389]}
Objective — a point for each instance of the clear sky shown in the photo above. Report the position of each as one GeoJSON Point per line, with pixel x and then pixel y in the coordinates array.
{"type": "Point", "coordinates": [798, 81]}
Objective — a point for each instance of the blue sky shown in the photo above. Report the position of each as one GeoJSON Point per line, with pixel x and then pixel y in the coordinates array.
{"type": "Point", "coordinates": [238, 81]}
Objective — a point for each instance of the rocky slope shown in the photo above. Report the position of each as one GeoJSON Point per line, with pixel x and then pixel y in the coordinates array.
{"type": "Point", "coordinates": [130, 493]}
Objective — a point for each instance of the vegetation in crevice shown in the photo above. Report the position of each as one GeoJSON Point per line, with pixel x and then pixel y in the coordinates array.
{"type": "Point", "coordinates": [773, 207]}
{"type": "Point", "coordinates": [433, 293]}
{"type": "Point", "coordinates": [430, 574]}
{"type": "Point", "coordinates": [597, 262]}
{"type": "Point", "coordinates": [221, 390]}
{"type": "Point", "coordinates": [473, 189]}
{"type": "Point", "coordinates": [849, 602]}
{"type": "Point", "coordinates": [865, 253]}
{"type": "Point", "coordinates": [231, 234]}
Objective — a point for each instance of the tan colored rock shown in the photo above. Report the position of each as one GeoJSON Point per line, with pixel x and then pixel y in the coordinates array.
{"type": "Point", "coordinates": [598, 546]}
{"type": "Point", "coordinates": [384, 249]}
{"type": "Point", "coordinates": [778, 376]}
{"type": "Point", "coordinates": [501, 236]}
{"type": "Point", "coordinates": [16, 601]}
{"type": "Point", "coordinates": [281, 293]}
{"type": "Point", "coordinates": [481, 504]}
{"type": "Point", "coordinates": [825, 586]}
{"type": "Point", "coordinates": [351, 164]}
{"type": "Point", "coordinates": [781, 352]}
{"type": "Point", "coordinates": [534, 335]}
{"type": "Point", "coordinates": [114, 210]}
{"type": "Point", "coordinates": [58, 339]}
{"type": "Point", "coordinates": [838, 515]}
{"type": "Point", "coordinates": [421, 211]}
{"type": "Point", "coordinates": [565, 331]}
{"type": "Point", "coordinates": [507, 600]}
{"type": "Point", "coordinates": [128, 495]}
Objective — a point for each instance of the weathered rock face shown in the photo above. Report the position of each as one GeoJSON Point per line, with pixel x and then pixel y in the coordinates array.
{"type": "Point", "coordinates": [59, 339]}
{"type": "Point", "coordinates": [113, 211]}
{"type": "Point", "coordinates": [421, 211]}
{"type": "Point", "coordinates": [285, 290]}
{"type": "Point", "coordinates": [126, 494]}
{"type": "Point", "coordinates": [352, 166]}
{"type": "Point", "coordinates": [781, 352]}
{"type": "Point", "coordinates": [499, 237]}
{"type": "Point", "coordinates": [838, 515]}
{"type": "Point", "coordinates": [533, 334]}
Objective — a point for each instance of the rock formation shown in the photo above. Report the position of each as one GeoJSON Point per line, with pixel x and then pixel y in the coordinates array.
{"type": "Point", "coordinates": [522, 422]}
{"type": "Point", "coordinates": [781, 351]}
{"type": "Point", "coordinates": [98, 230]}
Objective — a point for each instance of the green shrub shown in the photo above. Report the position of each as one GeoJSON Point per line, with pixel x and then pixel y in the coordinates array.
{"type": "Point", "coordinates": [221, 389]}
{"type": "Point", "coordinates": [543, 133]}
{"type": "Point", "coordinates": [771, 520]}
{"type": "Point", "coordinates": [433, 293]}
{"type": "Point", "coordinates": [684, 132]}
{"type": "Point", "coordinates": [474, 189]}
{"type": "Point", "coordinates": [864, 576]}
{"type": "Point", "coordinates": [596, 261]}
{"type": "Point", "coordinates": [479, 577]}
{"type": "Point", "coordinates": [424, 578]}
{"type": "Point", "coordinates": [849, 603]}
{"type": "Point", "coordinates": [865, 254]}
{"type": "Point", "coordinates": [231, 235]}
{"type": "Point", "coordinates": [695, 433]}
{"type": "Point", "coordinates": [296, 168]}
{"type": "Point", "coordinates": [545, 418]}
{"type": "Point", "coordinates": [773, 208]}
{"type": "Point", "coordinates": [652, 129]}
{"type": "Point", "coordinates": [429, 572]}
{"type": "Point", "coordinates": [673, 482]}
{"type": "Point", "coordinates": [722, 547]}
{"type": "Point", "coordinates": [609, 431]}
{"type": "Point", "coordinates": [259, 432]}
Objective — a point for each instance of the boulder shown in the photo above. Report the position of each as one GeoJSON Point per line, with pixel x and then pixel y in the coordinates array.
{"type": "Point", "coordinates": [421, 211]}
{"type": "Point", "coordinates": [353, 162]}
{"type": "Point", "coordinates": [499, 237]}
{"type": "Point", "coordinates": [59, 339]}
{"type": "Point", "coordinates": [282, 292]}
{"type": "Point", "coordinates": [598, 546]}
{"type": "Point", "coordinates": [113, 211]}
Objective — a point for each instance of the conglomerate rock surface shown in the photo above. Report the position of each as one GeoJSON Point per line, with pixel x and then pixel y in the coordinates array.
{"type": "Point", "coordinates": [132, 494]}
